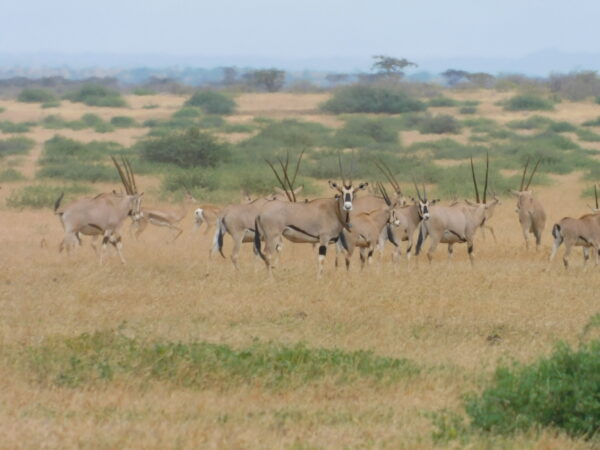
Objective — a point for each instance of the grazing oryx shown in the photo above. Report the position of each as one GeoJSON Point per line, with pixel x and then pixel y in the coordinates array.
{"type": "Point", "coordinates": [583, 232]}
{"type": "Point", "coordinates": [318, 221]}
{"type": "Point", "coordinates": [161, 218]}
{"type": "Point", "coordinates": [103, 214]}
{"type": "Point", "coordinates": [365, 231]}
{"type": "Point", "coordinates": [239, 220]}
{"type": "Point", "coordinates": [451, 224]}
{"type": "Point", "coordinates": [209, 214]}
{"type": "Point", "coordinates": [531, 212]}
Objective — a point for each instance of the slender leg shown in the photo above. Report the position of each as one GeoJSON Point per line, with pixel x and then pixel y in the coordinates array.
{"type": "Point", "coordinates": [235, 252]}
{"type": "Point", "coordinates": [450, 251]}
{"type": "Point", "coordinates": [322, 254]}
{"type": "Point", "coordinates": [470, 251]}
{"type": "Point", "coordinates": [492, 232]}
{"type": "Point", "coordinates": [526, 237]}
{"type": "Point", "coordinates": [568, 248]}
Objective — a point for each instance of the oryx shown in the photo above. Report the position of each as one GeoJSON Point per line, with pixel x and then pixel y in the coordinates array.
{"type": "Point", "coordinates": [103, 214]}
{"type": "Point", "coordinates": [531, 212]}
{"type": "Point", "coordinates": [583, 232]}
{"type": "Point", "coordinates": [168, 218]}
{"type": "Point", "coordinates": [318, 221]}
{"type": "Point", "coordinates": [451, 224]}
{"type": "Point", "coordinates": [209, 213]}
{"type": "Point", "coordinates": [239, 220]}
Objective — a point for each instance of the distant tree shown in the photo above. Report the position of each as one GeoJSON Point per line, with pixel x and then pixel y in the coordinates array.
{"type": "Point", "coordinates": [391, 67]}
{"type": "Point", "coordinates": [335, 78]}
{"type": "Point", "coordinates": [271, 80]}
{"type": "Point", "coordinates": [481, 79]}
{"type": "Point", "coordinates": [453, 76]}
{"type": "Point", "coordinates": [229, 76]}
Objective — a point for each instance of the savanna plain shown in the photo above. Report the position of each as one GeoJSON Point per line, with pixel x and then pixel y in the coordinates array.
{"type": "Point", "coordinates": [176, 350]}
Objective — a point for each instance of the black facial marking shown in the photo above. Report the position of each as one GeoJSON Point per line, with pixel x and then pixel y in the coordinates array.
{"type": "Point", "coordinates": [470, 249]}
{"type": "Point", "coordinates": [322, 250]}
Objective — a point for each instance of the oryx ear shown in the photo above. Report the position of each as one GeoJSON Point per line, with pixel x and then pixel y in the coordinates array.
{"type": "Point", "coordinates": [333, 185]}
{"type": "Point", "coordinates": [361, 186]}
{"type": "Point", "coordinates": [298, 189]}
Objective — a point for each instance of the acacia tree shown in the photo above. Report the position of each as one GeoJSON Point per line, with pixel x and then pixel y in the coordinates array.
{"type": "Point", "coordinates": [270, 79]}
{"type": "Point", "coordinates": [391, 67]}
{"type": "Point", "coordinates": [453, 76]}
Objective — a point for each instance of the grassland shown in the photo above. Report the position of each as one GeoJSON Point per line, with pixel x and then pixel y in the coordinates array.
{"type": "Point", "coordinates": [174, 350]}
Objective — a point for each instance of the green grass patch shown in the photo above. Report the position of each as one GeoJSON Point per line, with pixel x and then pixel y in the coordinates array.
{"type": "Point", "coordinates": [587, 135]}
{"type": "Point", "coordinates": [212, 102]}
{"type": "Point", "coordinates": [440, 124]}
{"type": "Point", "coordinates": [51, 104]}
{"type": "Point", "coordinates": [9, 175]}
{"type": "Point", "coordinates": [123, 122]}
{"type": "Point", "coordinates": [592, 123]}
{"type": "Point", "coordinates": [143, 91]}
{"type": "Point", "coordinates": [150, 106]}
{"type": "Point", "coordinates": [6, 126]}
{"type": "Point", "coordinates": [442, 101]}
{"type": "Point", "coordinates": [15, 146]}
{"type": "Point", "coordinates": [365, 132]}
{"type": "Point", "coordinates": [468, 110]}
{"type": "Point", "coordinates": [43, 195]}
{"type": "Point", "coordinates": [107, 356]}
{"type": "Point", "coordinates": [36, 95]}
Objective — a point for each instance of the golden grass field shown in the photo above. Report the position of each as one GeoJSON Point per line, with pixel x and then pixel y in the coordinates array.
{"type": "Point", "coordinates": [454, 321]}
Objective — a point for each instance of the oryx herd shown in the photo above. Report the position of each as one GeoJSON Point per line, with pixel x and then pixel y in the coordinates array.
{"type": "Point", "coordinates": [351, 218]}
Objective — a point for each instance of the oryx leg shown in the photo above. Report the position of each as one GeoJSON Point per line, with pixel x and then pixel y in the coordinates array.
{"type": "Point", "coordinates": [434, 243]}
{"type": "Point", "coordinates": [363, 257]}
{"type": "Point", "coordinates": [450, 251]}
{"type": "Point", "coordinates": [586, 255]}
{"type": "Point", "coordinates": [525, 236]}
{"type": "Point", "coordinates": [139, 225]}
{"type": "Point", "coordinates": [323, 241]}
{"type": "Point", "coordinates": [470, 252]}
{"type": "Point", "coordinates": [237, 245]}
{"type": "Point", "coordinates": [555, 245]}
{"type": "Point", "coordinates": [568, 248]}
{"type": "Point", "coordinates": [492, 232]}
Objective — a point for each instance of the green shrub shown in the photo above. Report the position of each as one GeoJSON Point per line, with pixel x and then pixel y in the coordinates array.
{"type": "Point", "coordinates": [42, 195]}
{"type": "Point", "coordinates": [531, 123]}
{"type": "Point", "coordinates": [9, 175]}
{"type": "Point", "coordinates": [371, 99]}
{"type": "Point", "coordinates": [104, 127]}
{"type": "Point", "coordinates": [79, 171]}
{"type": "Point", "coordinates": [123, 122]}
{"type": "Point", "coordinates": [96, 95]}
{"type": "Point", "coordinates": [107, 356]}
{"type": "Point", "coordinates": [592, 123]}
{"type": "Point", "coordinates": [188, 112]}
{"type": "Point", "coordinates": [440, 124]}
{"type": "Point", "coordinates": [15, 146]}
{"type": "Point", "coordinates": [448, 149]}
{"type": "Point", "coordinates": [150, 106]}
{"type": "Point", "coordinates": [238, 128]}
{"type": "Point", "coordinates": [442, 101]}
{"type": "Point", "coordinates": [528, 102]}
{"type": "Point", "coordinates": [468, 110]}
{"type": "Point", "coordinates": [92, 120]}
{"type": "Point", "coordinates": [587, 135]}
{"type": "Point", "coordinates": [7, 126]}
{"type": "Point", "coordinates": [211, 102]}
{"type": "Point", "coordinates": [52, 104]}
{"type": "Point", "coordinates": [143, 91]}
{"type": "Point", "coordinates": [560, 391]}
{"type": "Point", "coordinates": [562, 127]}
{"type": "Point", "coordinates": [191, 148]}
{"type": "Point", "coordinates": [36, 95]}
{"type": "Point", "coordinates": [363, 132]}
{"type": "Point", "coordinates": [59, 149]}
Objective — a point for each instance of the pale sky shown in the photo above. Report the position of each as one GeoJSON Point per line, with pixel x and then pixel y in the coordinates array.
{"type": "Point", "coordinates": [300, 29]}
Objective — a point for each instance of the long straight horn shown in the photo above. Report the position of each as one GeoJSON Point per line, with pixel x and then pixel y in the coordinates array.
{"type": "Point", "coordinates": [417, 189]}
{"type": "Point", "coordinates": [524, 173]}
{"type": "Point", "coordinates": [296, 169]}
{"type": "Point", "coordinates": [389, 175]}
{"type": "Point", "coordinates": [341, 169]}
{"type": "Point", "coordinates": [130, 175]}
{"type": "Point", "coordinates": [424, 193]}
{"type": "Point", "coordinates": [384, 194]}
{"type": "Point", "coordinates": [122, 175]}
{"type": "Point", "coordinates": [475, 182]}
{"type": "Point", "coordinates": [286, 177]}
{"type": "Point", "coordinates": [596, 195]}
{"type": "Point", "coordinates": [487, 171]}
{"type": "Point", "coordinates": [533, 173]}
{"type": "Point", "coordinates": [287, 194]}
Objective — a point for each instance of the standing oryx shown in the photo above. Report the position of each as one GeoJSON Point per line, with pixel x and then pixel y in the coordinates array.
{"type": "Point", "coordinates": [209, 214]}
{"type": "Point", "coordinates": [451, 224]}
{"type": "Point", "coordinates": [239, 220]}
{"type": "Point", "coordinates": [103, 214]}
{"type": "Point", "coordinates": [531, 212]}
{"type": "Point", "coordinates": [317, 221]}
{"type": "Point", "coordinates": [583, 232]}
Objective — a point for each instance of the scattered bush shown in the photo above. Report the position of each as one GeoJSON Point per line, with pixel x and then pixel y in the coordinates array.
{"type": "Point", "coordinates": [440, 124]}
{"type": "Point", "coordinates": [96, 95]}
{"type": "Point", "coordinates": [371, 99]}
{"type": "Point", "coordinates": [531, 123]}
{"type": "Point", "coordinates": [191, 148]}
{"type": "Point", "coordinates": [562, 127]}
{"type": "Point", "coordinates": [143, 91]}
{"type": "Point", "coordinates": [104, 127]}
{"type": "Point", "coordinates": [592, 123]}
{"type": "Point", "coordinates": [188, 112]}
{"type": "Point", "coordinates": [79, 171]}
{"type": "Point", "coordinates": [560, 391]}
{"type": "Point", "coordinates": [150, 106]}
{"type": "Point", "coordinates": [52, 104]}
{"type": "Point", "coordinates": [528, 102]}
{"type": "Point", "coordinates": [8, 127]}
{"type": "Point", "coordinates": [363, 132]}
{"type": "Point", "coordinates": [42, 195]}
{"type": "Point", "coordinates": [468, 110]}
{"type": "Point", "coordinates": [92, 120]}
{"type": "Point", "coordinates": [442, 101]}
{"type": "Point", "coordinates": [15, 146]}
{"type": "Point", "coordinates": [36, 95]}
{"type": "Point", "coordinates": [123, 122]}
{"type": "Point", "coordinates": [9, 175]}
{"type": "Point", "coordinates": [212, 102]}
{"type": "Point", "coordinates": [588, 135]}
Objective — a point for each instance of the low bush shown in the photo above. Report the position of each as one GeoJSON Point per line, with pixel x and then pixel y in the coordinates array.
{"type": "Point", "coordinates": [442, 101]}
{"type": "Point", "coordinates": [528, 102]}
{"type": "Point", "coordinates": [96, 95]}
{"type": "Point", "coordinates": [123, 122]}
{"type": "Point", "coordinates": [60, 149]}
{"type": "Point", "coordinates": [42, 195]}
{"type": "Point", "coordinates": [559, 391]}
{"type": "Point", "coordinates": [15, 146]}
{"type": "Point", "coordinates": [104, 127]}
{"type": "Point", "coordinates": [6, 126]}
{"type": "Point", "coordinates": [587, 135]}
{"type": "Point", "coordinates": [107, 356]}
{"type": "Point", "coordinates": [468, 110]}
{"type": "Point", "coordinates": [36, 95]}
{"type": "Point", "coordinates": [188, 112]}
{"type": "Point", "coordinates": [52, 104]}
{"type": "Point", "coordinates": [79, 171]}
{"type": "Point", "coordinates": [9, 175]}
{"type": "Point", "coordinates": [211, 102]}
{"type": "Point", "coordinates": [440, 124]}
{"type": "Point", "coordinates": [364, 132]}
{"type": "Point", "coordinates": [592, 123]}
{"type": "Point", "coordinates": [531, 123]}
{"type": "Point", "coordinates": [191, 148]}
{"type": "Point", "coordinates": [562, 127]}
{"type": "Point", "coordinates": [371, 99]}
{"type": "Point", "coordinates": [143, 91]}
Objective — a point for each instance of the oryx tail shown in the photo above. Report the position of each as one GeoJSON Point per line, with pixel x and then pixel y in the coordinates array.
{"type": "Point", "coordinates": [218, 239]}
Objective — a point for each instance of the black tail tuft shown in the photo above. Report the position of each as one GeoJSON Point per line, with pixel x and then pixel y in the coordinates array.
{"type": "Point", "coordinates": [221, 229]}
{"type": "Point", "coordinates": [390, 235]}
{"type": "Point", "coordinates": [556, 233]}
{"type": "Point", "coordinates": [58, 200]}
{"type": "Point", "coordinates": [420, 240]}
{"type": "Point", "coordinates": [343, 241]}
{"type": "Point", "coordinates": [257, 248]}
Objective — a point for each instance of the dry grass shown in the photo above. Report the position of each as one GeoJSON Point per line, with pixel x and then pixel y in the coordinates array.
{"type": "Point", "coordinates": [440, 316]}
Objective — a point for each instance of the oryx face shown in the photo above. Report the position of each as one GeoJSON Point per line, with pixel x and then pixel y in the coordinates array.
{"type": "Point", "coordinates": [346, 193]}
{"type": "Point", "coordinates": [424, 209]}
{"type": "Point", "coordinates": [524, 200]}
{"type": "Point", "coordinates": [135, 205]}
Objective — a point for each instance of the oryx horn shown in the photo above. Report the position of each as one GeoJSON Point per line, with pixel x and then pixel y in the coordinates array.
{"type": "Point", "coordinates": [532, 173]}
{"type": "Point", "coordinates": [475, 182]}
{"type": "Point", "coordinates": [596, 195]}
{"type": "Point", "coordinates": [524, 173]}
{"type": "Point", "coordinates": [388, 174]}
{"type": "Point", "coordinates": [487, 171]}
